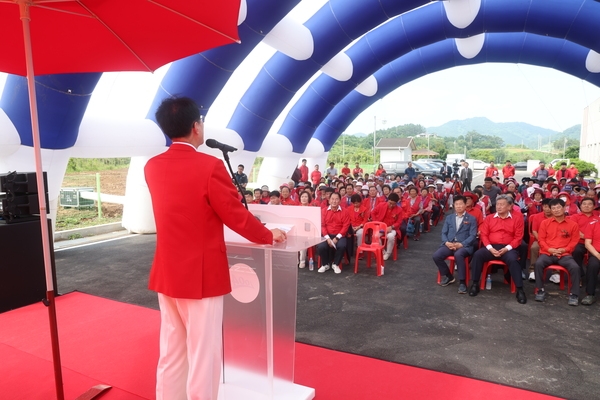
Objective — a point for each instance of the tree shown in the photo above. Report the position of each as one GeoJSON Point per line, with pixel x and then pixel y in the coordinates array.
{"type": "Point", "coordinates": [572, 152]}
{"type": "Point", "coordinates": [584, 167]}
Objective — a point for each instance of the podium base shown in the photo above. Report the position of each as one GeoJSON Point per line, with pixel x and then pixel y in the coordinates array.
{"type": "Point", "coordinates": [282, 391]}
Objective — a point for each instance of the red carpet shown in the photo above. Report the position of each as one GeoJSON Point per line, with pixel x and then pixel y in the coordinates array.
{"type": "Point", "coordinates": [104, 341]}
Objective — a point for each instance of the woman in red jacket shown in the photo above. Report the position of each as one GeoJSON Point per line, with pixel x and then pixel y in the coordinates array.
{"type": "Point", "coordinates": [414, 210]}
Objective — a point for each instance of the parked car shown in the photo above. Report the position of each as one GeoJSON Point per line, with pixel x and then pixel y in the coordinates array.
{"type": "Point", "coordinates": [398, 167]}
{"type": "Point", "coordinates": [478, 164]}
{"type": "Point", "coordinates": [431, 161]}
{"type": "Point", "coordinates": [520, 165]}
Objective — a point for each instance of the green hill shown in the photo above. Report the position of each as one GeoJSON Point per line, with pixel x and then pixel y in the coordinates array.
{"type": "Point", "coordinates": [514, 133]}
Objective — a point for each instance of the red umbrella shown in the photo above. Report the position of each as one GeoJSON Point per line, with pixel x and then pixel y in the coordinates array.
{"type": "Point", "coordinates": [68, 36]}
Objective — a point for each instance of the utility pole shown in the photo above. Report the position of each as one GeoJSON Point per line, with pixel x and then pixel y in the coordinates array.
{"type": "Point", "coordinates": [374, 134]}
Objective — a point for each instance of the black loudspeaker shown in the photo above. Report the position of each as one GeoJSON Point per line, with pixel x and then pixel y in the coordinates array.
{"type": "Point", "coordinates": [18, 196]}
{"type": "Point", "coordinates": [22, 275]}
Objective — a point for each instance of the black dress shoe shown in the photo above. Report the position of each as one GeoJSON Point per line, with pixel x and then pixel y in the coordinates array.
{"type": "Point", "coordinates": [474, 289]}
{"type": "Point", "coordinates": [521, 298]}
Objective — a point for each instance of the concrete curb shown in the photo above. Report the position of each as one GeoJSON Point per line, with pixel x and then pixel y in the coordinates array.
{"type": "Point", "coordinates": [89, 231]}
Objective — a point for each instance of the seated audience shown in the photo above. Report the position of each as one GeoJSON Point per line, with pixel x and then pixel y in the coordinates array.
{"type": "Point", "coordinates": [334, 227]}
{"type": "Point", "coordinates": [558, 237]}
{"type": "Point", "coordinates": [459, 238]}
{"type": "Point", "coordinates": [501, 234]}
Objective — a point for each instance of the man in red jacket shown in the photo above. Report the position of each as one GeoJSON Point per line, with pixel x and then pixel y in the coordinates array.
{"type": "Point", "coordinates": [190, 271]}
{"type": "Point", "coordinates": [508, 170]}
{"type": "Point", "coordinates": [501, 234]}
{"type": "Point", "coordinates": [334, 227]}
{"type": "Point", "coordinates": [390, 214]}
{"type": "Point", "coordinates": [558, 237]}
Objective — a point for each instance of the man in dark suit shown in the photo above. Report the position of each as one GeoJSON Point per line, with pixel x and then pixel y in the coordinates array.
{"type": "Point", "coordinates": [459, 237]}
{"type": "Point", "coordinates": [466, 177]}
{"type": "Point", "coordinates": [190, 271]}
{"type": "Point", "coordinates": [446, 170]}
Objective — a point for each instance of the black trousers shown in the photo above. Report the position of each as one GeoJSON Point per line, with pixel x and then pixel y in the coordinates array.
{"type": "Point", "coordinates": [328, 253]}
{"type": "Point", "coordinates": [460, 256]}
{"type": "Point", "coordinates": [568, 262]}
{"type": "Point", "coordinates": [510, 258]}
{"type": "Point", "coordinates": [578, 255]}
{"type": "Point", "coordinates": [592, 275]}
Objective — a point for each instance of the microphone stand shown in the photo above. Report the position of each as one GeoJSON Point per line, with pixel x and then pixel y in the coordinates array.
{"type": "Point", "coordinates": [226, 157]}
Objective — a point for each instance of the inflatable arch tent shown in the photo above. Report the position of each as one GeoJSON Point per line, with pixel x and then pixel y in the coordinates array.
{"type": "Point", "coordinates": [353, 53]}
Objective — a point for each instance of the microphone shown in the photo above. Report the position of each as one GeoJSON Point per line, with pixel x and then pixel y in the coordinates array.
{"type": "Point", "coordinates": [221, 146]}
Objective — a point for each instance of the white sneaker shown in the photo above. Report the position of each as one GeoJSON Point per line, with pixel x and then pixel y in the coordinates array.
{"type": "Point", "coordinates": [324, 268]}
{"type": "Point", "coordinates": [386, 255]}
{"type": "Point", "coordinates": [532, 277]}
{"type": "Point", "coordinates": [555, 278]}
{"type": "Point", "coordinates": [302, 264]}
{"type": "Point", "coordinates": [336, 269]}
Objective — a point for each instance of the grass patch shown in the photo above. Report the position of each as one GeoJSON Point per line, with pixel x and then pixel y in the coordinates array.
{"type": "Point", "coordinates": [72, 218]}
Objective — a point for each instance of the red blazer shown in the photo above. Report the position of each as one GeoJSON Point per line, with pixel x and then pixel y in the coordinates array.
{"type": "Point", "coordinates": [192, 197]}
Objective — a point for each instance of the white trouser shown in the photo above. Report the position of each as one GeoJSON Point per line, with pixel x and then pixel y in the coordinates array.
{"type": "Point", "coordinates": [391, 241]}
{"type": "Point", "coordinates": [302, 254]}
{"type": "Point", "coordinates": [359, 236]}
{"type": "Point", "coordinates": [191, 343]}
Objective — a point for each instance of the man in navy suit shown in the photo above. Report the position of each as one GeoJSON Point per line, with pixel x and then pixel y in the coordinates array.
{"type": "Point", "coordinates": [459, 237]}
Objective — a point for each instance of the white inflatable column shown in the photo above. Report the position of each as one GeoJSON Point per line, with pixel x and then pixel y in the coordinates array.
{"type": "Point", "coordinates": [137, 210]}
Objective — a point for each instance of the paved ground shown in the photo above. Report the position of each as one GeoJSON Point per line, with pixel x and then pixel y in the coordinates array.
{"type": "Point", "coordinates": [403, 316]}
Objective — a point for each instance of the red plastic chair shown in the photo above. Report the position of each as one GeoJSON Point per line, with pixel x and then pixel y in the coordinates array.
{"type": "Point", "coordinates": [404, 242]}
{"type": "Point", "coordinates": [564, 273]}
{"type": "Point", "coordinates": [452, 261]}
{"type": "Point", "coordinates": [487, 267]}
{"type": "Point", "coordinates": [378, 243]}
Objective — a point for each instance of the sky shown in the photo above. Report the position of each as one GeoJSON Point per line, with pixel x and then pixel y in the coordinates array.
{"type": "Point", "coordinates": [499, 92]}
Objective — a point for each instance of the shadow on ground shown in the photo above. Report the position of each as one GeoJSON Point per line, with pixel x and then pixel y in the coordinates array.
{"type": "Point", "coordinates": [403, 316]}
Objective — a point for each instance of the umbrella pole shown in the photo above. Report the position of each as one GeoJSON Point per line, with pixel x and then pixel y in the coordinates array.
{"type": "Point", "coordinates": [49, 301]}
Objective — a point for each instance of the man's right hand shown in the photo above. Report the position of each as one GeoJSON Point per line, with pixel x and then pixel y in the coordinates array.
{"type": "Point", "coordinates": [278, 235]}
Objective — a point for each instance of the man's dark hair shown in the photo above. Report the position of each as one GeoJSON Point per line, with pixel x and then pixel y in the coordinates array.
{"type": "Point", "coordinates": [247, 193]}
{"type": "Point", "coordinates": [554, 202]}
{"type": "Point", "coordinates": [257, 190]}
{"type": "Point", "coordinates": [387, 186]}
{"type": "Point", "coordinates": [546, 200]}
{"type": "Point", "coordinates": [488, 179]}
{"type": "Point", "coordinates": [275, 193]}
{"type": "Point", "coordinates": [563, 163]}
{"type": "Point", "coordinates": [394, 197]}
{"type": "Point", "coordinates": [304, 159]}
{"type": "Point", "coordinates": [356, 198]}
{"type": "Point", "coordinates": [176, 116]}
{"type": "Point", "coordinates": [459, 198]}
{"type": "Point", "coordinates": [588, 199]}
{"type": "Point", "coordinates": [337, 194]}
{"type": "Point", "coordinates": [241, 165]}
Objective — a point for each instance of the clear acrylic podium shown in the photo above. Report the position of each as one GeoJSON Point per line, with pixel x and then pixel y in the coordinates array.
{"type": "Point", "coordinates": [259, 320]}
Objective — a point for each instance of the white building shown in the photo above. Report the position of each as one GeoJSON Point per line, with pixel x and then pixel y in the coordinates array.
{"type": "Point", "coordinates": [590, 134]}
{"type": "Point", "coordinates": [396, 149]}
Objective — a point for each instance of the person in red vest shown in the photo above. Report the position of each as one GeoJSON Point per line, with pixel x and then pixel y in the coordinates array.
{"type": "Point", "coordinates": [558, 237]}
{"type": "Point", "coordinates": [573, 171]}
{"type": "Point", "coordinates": [315, 176]}
{"type": "Point", "coordinates": [563, 172]}
{"type": "Point", "coordinates": [583, 219]}
{"type": "Point", "coordinates": [501, 235]}
{"type": "Point", "coordinates": [390, 214]}
{"type": "Point", "coordinates": [357, 171]}
{"type": "Point", "coordinates": [372, 200]}
{"type": "Point", "coordinates": [492, 170]}
{"type": "Point", "coordinates": [191, 279]}
{"type": "Point", "coordinates": [592, 244]}
{"type": "Point", "coordinates": [345, 170]}
{"type": "Point", "coordinates": [334, 227]}
{"type": "Point", "coordinates": [303, 171]}
{"type": "Point", "coordinates": [534, 222]}
{"type": "Point", "coordinates": [508, 171]}
{"type": "Point", "coordinates": [359, 216]}
{"type": "Point", "coordinates": [286, 198]}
